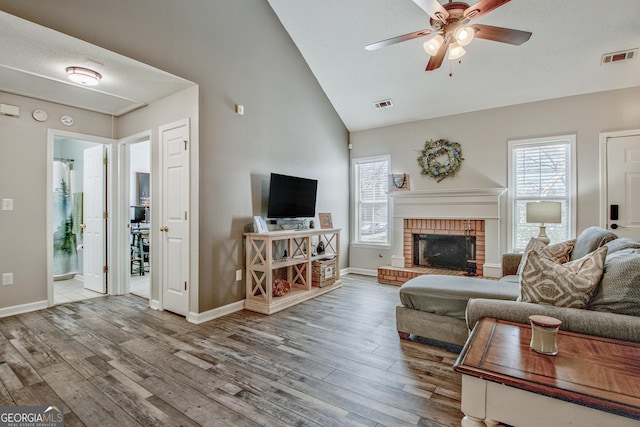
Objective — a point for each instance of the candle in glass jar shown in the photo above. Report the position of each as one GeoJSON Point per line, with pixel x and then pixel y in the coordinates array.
{"type": "Point", "coordinates": [544, 330]}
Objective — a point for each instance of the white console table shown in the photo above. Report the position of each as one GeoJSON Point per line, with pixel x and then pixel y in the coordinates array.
{"type": "Point", "coordinates": [265, 262]}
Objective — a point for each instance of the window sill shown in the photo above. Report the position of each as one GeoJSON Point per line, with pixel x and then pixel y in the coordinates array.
{"type": "Point", "coordinates": [365, 245]}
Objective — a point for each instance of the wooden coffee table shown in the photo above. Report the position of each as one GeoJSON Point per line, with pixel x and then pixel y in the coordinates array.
{"type": "Point", "coordinates": [592, 381]}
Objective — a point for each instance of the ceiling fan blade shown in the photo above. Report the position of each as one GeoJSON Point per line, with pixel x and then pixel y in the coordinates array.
{"type": "Point", "coordinates": [433, 9]}
{"type": "Point", "coordinates": [500, 34]}
{"type": "Point", "coordinates": [436, 61]}
{"type": "Point", "coordinates": [398, 39]}
{"type": "Point", "coordinates": [482, 7]}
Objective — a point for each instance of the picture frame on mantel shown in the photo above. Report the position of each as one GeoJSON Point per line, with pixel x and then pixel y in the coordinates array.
{"type": "Point", "coordinates": [325, 220]}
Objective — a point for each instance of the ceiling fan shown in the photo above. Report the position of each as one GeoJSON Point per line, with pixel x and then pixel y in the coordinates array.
{"type": "Point", "coordinates": [450, 30]}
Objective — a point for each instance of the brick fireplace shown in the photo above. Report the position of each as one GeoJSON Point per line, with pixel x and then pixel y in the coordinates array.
{"type": "Point", "coordinates": [472, 212]}
{"type": "Point", "coordinates": [444, 227]}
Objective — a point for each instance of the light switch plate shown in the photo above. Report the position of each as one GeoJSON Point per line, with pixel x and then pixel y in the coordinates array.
{"type": "Point", "coordinates": [7, 204]}
{"type": "Point", "coordinates": [7, 279]}
{"type": "Point", "coordinates": [238, 274]}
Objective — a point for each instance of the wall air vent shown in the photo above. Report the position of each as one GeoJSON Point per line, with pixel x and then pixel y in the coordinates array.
{"type": "Point", "coordinates": [623, 55]}
{"type": "Point", "coordinates": [386, 103]}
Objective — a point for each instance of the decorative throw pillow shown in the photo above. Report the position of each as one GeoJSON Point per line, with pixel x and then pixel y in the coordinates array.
{"type": "Point", "coordinates": [619, 290]}
{"type": "Point", "coordinates": [620, 244]}
{"type": "Point", "coordinates": [533, 245]}
{"type": "Point", "coordinates": [590, 240]}
{"type": "Point", "coordinates": [559, 252]}
{"type": "Point", "coordinates": [571, 284]}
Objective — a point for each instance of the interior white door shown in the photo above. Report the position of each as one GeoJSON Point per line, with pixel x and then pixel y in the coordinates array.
{"type": "Point", "coordinates": [94, 258]}
{"type": "Point", "coordinates": [623, 185]}
{"type": "Point", "coordinates": [174, 226]}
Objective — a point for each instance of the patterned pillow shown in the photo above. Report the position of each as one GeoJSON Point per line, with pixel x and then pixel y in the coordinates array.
{"type": "Point", "coordinates": [559, 252]}
{"type": "Point", "coordinates": [533, 245]}
{"type": "Point", "coordinates": [571, 284]}
{"type": "Point", "coordinates": [619, 290]}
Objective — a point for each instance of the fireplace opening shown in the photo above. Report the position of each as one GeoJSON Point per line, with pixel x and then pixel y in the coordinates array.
{"type": "Point", "coordinates": [445, 251]}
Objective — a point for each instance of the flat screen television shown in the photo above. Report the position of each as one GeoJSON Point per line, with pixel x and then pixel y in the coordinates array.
{"type": "Point", "coordinates": [292, 197]}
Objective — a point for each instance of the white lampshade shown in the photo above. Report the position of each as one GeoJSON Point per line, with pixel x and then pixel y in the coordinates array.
{"type": "Point", "coordinates": [544, 212]}
{"type": "Point", "coordinates": [433, 45]}
{"type": "Point", "coordinates": [83, 76]}
{"type": "Point", "coordinates": [464, 35]}
{"type": "Point", "coordinates": [456, 51]}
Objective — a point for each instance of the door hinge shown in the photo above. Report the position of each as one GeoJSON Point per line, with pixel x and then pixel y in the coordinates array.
{"type": "Point", "coordinates": [105, 215]}
{"type": "Point", "coordinates": [185, 144]}
{"type": "Point", "coordinates": [185, 286]}
{"type": "Point", "coordinates": [185, 215]}
{"type": "Point", "coordinates": [105, 269]}
{"type": "Point", "coordinates": [105, 160]}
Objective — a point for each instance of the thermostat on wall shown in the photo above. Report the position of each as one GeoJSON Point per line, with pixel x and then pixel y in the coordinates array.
{"type": "Point", "coordinates": [40, 115]}
{"type": "Point", "coordinates": [67, 120]}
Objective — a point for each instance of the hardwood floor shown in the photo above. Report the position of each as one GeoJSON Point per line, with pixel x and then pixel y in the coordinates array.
{"type": "Point", "coordinates": [333, 361]}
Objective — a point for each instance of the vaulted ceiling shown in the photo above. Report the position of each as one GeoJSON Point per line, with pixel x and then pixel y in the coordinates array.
{"type": "Point", "coordinates": [562, 58]}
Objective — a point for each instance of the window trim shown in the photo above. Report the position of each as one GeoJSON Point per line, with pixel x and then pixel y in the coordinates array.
{"type": "Point", "coordinates": [515, 143]}
{"type": "Point", "coordinates": [355, 220]}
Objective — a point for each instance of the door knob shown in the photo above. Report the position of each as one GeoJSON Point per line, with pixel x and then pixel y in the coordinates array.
{"type": "Point", "coordinates": [614, 226]}
{"type": "Point", "coordinates": [165, 228]}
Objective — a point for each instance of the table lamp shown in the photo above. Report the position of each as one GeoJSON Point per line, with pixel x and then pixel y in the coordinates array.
{"type": "Point", "coordinates": [544, 213]}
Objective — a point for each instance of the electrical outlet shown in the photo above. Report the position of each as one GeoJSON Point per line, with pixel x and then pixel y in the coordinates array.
{"type": "Point", "coordinates": [238, 274]}
{"type": "Point", "coordinates": [7, 279]}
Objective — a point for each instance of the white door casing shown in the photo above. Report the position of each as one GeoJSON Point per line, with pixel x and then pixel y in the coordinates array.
{"type": "Point", "coordinates": [621, 183]}
{"type": "Point", "coordinates": [94, 219]}
{"type": "Point", "coordinates": [174, 224]}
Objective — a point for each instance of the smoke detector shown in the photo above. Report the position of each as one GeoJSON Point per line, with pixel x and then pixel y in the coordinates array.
{"type": "Point", "coordinates": [385, 103]}
{"type": "Point", "coordinates": [623, 55]}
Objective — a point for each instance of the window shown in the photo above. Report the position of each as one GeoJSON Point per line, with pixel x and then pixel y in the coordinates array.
{"type": "Point", "coordinates": [371, 184]}
{"type": "Point", "coordinates": [541, 170]}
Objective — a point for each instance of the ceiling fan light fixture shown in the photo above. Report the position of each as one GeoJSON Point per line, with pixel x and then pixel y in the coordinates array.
{"type": "Point", "coordinates": [83, 76]}
{"type": "Point", "coordinates": [433, 45]}
{"type": "Point", "coordinates": [464, 35]}
{"type": "Point", "coordinates": [456, 51]}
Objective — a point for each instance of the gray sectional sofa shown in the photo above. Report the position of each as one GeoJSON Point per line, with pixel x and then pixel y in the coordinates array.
{"type": "Point", "coordinates": [445, 308]}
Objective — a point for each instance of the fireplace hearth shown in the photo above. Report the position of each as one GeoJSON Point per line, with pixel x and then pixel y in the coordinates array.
{"type": "Point", "coordinates": [451, 252]}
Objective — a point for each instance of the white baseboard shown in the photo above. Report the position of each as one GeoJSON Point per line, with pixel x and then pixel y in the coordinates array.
{"type": "Point", "coordinates": [23, 308]}
{"type": "Point", "coordinates": [362, 271]}
{"type": "Point", "coordinates": [154, 304]}
{"type": "Point", "coordinates": [205, 316]}
{"type": "Point", "coordinates": [492, 270]}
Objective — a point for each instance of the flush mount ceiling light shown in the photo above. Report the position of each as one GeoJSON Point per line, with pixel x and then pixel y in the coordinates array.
{"type": "Point", "coordinates": [83, 76]}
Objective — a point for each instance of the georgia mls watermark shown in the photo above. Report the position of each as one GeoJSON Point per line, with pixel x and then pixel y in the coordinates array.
{"type": "Point", "coordinates": [31, 416]}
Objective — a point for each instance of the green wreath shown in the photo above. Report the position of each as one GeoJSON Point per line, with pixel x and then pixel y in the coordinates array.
{"type": "Point", "coordinates": [432, 151]}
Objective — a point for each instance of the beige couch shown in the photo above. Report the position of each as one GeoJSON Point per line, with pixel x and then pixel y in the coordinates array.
{"type": "Point", "coordinates": [445, 308]}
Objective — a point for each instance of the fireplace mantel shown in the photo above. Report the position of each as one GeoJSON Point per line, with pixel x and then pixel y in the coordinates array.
{"type": "Point", "coordinates": [480, 203]}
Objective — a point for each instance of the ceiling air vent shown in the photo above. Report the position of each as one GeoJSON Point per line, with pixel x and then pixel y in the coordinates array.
{"type": "Point", "coordinates": [623, 55]}
{"type": "Point", "coordinates": [386, 103]}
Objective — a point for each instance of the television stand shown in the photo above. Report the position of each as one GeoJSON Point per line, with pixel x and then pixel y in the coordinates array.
{"type": "Point", "coordinates": [262, 269]}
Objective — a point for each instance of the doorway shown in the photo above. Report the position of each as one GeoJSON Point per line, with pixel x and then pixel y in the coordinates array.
{"type": "Point", "coordinates": [139, 202]}
{"type": "Point", "coordinates": [620, 183]}
{"type": "Point", "coordinates": [77, 229]}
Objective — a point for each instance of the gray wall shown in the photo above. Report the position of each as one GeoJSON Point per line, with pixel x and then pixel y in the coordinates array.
{"type": "Point", "coordinates": [484, 135]}
{"type": "Point", "coordinates": [237, 52]}
{"type": "Point", "coordinates": [23, 177]}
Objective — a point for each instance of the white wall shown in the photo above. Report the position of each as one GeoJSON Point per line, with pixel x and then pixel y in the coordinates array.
{"type": "Point", "coordinates": [238, 53]}
{"type": "Point", "coordinates": [140, 156]}
{"type": "Point", "coordinates": [23, 170]}
{"type": "Point", "coordinates": [484, 136]}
